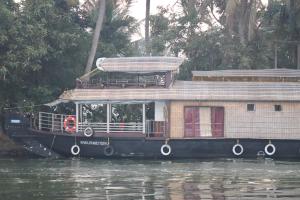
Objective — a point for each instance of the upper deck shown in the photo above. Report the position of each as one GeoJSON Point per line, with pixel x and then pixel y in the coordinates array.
{"type": "Point", "coordinates": [135, 79]}
{"type": "Point", "coordinates": [132, 72]}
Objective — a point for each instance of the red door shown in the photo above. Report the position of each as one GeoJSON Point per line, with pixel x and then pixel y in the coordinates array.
{"type": "Point", "coordinates": [217, 121]}
{"type": "Point", "coordinates": [191, 122]}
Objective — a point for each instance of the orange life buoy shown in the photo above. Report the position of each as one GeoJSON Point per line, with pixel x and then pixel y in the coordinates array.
{"type": "Point", "coordinates": [70, 124]}
{"type": "Point", "coordinates": [122, 125]}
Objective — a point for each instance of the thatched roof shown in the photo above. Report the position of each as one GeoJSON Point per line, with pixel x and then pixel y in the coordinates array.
{"type": "Point", "coordinates": [139, 64]}
{"type": "Point", "coordinates": [192, 90]}
{"type": "Point", "coordinates": [250, 73]}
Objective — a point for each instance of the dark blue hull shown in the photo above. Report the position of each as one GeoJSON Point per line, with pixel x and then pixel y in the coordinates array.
{"type": "Point", "coordinates": [48, 144]}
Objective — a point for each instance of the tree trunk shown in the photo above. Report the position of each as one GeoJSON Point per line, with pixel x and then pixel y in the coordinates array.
{"type": "Point", "coordinates": [292, 19]}
{"type": "Point", "coordinates": [252, 20]}
{"type": "Point", "coordinates": [96, 36]}
{"type": "Point", "coordinates": [147, 45]}
{"type": "Point", "coordinates": [230, 12]}
{"type": "Point", "coordinates": [243, 22]}
{"type": "Point", "coordinates": [292, 27]}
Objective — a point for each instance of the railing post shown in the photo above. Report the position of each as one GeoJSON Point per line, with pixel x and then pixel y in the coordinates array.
{"type": "Point", "coordinates": [62, 123]}
{"type": "Point", "coordinates": [107, 117]}
{"type": "Point", "coordinates": [40, 121]}
{"type": "Point", "coordinates": [144, 118]}
{"type": "Point", "coordinates": [52, 122]}
{"type": "Point", "coordinates": [77, 115]}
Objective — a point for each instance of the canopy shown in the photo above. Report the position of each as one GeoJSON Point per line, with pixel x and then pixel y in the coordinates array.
{"type": "Point", "coordinates": [194, 90]}
{"type": "Point", "coordinates": [282, 72]}
{"type": "Point", "coordinates": [139, 64]}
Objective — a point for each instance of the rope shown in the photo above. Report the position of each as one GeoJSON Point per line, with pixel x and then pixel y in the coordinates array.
{"type": "Point", "coordinates": [89, 73]}
{"type": "Point", "coordinates": [52, 142]}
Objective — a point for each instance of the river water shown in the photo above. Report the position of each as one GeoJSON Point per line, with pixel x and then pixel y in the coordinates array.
{"type": "Point", "coordinates": [148, 179]}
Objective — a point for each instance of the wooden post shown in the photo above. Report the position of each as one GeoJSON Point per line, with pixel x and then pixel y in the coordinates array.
{"type": "Point", "coordinates": [275, 61]}
{"type": "Point", "coordinates": [77, 116]}
{"type": "Point", "coordinates": [40, 121]}
{"type": "Point", "coordinates": [62, 123]}
{"type": "Point", "coordinates": [52, 121]}
{"type": "Point", "coordinates": [298, 56]}
{"type": "Point", "coordinates": [81, 115]}
{"type": "Point", "coordinates": [144, 118]}
{"type": "Point", "coordinates": [107, 117]}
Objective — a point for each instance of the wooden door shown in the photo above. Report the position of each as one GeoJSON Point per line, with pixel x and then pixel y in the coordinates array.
{"type": "Point", "coordinates": [191, 122]}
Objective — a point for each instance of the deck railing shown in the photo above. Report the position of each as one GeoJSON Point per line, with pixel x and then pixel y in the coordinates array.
{"type": "Point", "coordinates": [99, 83]}
{"type": "Point", "coordinates": [51, 122]}
{"type": "Point", "coordinates": [97, 127]}
{"type": "Point", "coordinates": [55, 123]}
{"type": "Point", "coordinates": [156, 128]}
{"type": "Point", "coordinates": [133, 127]}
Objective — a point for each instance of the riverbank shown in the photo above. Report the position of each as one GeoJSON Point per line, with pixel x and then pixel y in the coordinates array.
{"type": "Point", "coordinates": [8, 148]}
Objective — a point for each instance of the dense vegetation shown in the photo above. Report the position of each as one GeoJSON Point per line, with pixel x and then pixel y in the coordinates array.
{"type": "Point", "coordinates": [44, 45]}
{"type": "Point", "coordinates": [232, 34]}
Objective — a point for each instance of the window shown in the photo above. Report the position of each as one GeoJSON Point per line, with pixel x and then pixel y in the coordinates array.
{"type": "Point", "coordinates": [251, 107]}
{"type": "Point", "coordinates": [277, 108]}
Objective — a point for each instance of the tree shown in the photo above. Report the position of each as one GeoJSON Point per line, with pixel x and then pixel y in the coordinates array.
{"type": "Point", "coordinates": [233, 34]}
{"type": "Point", "coordinates": [96, 36]}
{"type": "Point", "coordinates": [159, 31]}
{"type": "Point", "coordinates": [147, 19]}
{"type": "Point", "coordinates": [116, 32]}
{"type": "Point", "coordinates": [243, 14]}
{"type": "Point", "coordinates": [43, 50]}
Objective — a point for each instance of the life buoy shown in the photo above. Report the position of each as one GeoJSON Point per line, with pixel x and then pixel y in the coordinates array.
{"type": "Point", "coordinates": [75, 150]}
{"type": "Point", "coordinates": [88, 132]}
{"type": "Point", "coordinates": [267, 149]}
{"type": "Point", "coordinates": [122, 125]}
{"type": "Point", "coordinates": [108, 150]}
{"type": "Point", "coordinates": [237, 149]}
{"type": "Point", "coordinates": [70, 124]}
{"type": "Point", "coordinates": [165, 150]}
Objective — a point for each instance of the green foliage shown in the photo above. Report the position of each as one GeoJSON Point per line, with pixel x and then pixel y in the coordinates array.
{"type": "Point", "coordinates": [118, 27]}
{"type": "Point", "coordinates": [198, 29]}
{"type": "Point", "coordinates": [43, 49]}
{"type": "Point", "coordinates": [44, 46]}
{"type": "Point", "coordinates": [159, 31]}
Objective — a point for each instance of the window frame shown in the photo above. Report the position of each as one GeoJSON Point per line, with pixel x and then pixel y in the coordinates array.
{"type": "Point", "coordinates": [217, 130]}
{"type": "Point", "coordinates": [251, 110]}
{"type": "Point", "coordinates": [279, 106]}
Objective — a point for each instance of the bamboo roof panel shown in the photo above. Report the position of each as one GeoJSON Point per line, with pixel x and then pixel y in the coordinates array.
{"type": "Point", "coordinates": [283, 72]}
{"type": "Point", "coordinates": [190, 90]}
{"type": "Point", "coordinates": [140, 64]}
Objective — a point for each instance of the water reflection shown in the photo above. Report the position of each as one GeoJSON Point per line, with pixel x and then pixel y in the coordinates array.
{"type": "Point", "coordinates": [128, 179]}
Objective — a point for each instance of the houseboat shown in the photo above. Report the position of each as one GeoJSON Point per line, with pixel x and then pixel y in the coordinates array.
{"type": "Point", "coordinates": [135, 108]}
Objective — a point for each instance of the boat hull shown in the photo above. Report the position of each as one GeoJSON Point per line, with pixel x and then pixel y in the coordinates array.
{"type": "Point", "coordinates": [144, 147]}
